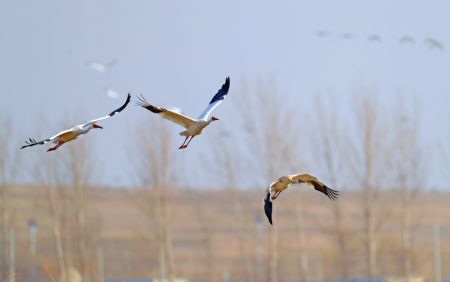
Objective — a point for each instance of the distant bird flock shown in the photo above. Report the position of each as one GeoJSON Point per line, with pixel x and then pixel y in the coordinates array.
{"type": "Point", "coordinates": [430, 42]}
{"type": "Point", "coordinates": [193, 127]}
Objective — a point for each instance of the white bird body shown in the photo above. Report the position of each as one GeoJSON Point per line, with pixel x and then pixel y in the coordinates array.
{"type": "Point", "coordinates": [196, 128]}
{"type": "Point", "coordinates": [112, 93]}
{"type": "Point", "coordinates": [80, 129]}
{"type": "Point", "coordinates": [98, 67]}
{"type": "Point", "coordinates": [193, 127]}
{"type": "Point", "coordinates": [73, 133]}
{"type": "Point", "coordinates": [102, 68]}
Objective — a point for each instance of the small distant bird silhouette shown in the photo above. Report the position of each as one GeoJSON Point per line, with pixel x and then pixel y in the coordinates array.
{"type": "Point", "coordinates": [111, 93]}
{"type": "Point", "coordinates": [434, 44]}
{"type": "Point", "coordinates": [193, 127]}
{"type": "Point", "coordinates": [102, 68]}
{"type": "Point", "coordinates": [374, 38]}
{"type": "Point", "coordinates": [322, 33]}
{"type": "Point", "coordinates": [407, 39]}
{"type": "Point", "coordinates": [73, 133]}
{"type": "Point", "coordinates": [284, 182]}
{"type": "Point", "coordinates": [347, 35]}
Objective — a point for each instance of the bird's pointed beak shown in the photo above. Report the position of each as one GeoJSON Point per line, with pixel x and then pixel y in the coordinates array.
{"type": "Point", "coordinates": [96, 126]}
{"type": "Point", "coordinates": [214, 118]}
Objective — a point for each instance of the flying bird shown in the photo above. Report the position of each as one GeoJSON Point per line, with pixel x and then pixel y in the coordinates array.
{"type": "Point", "coordinates": [112, 93]}
{"type": "Point", "coordinates": [102, 68]}
{"type": "Point", "coordinates": [322, 33]}
{"type": "Point", "coordinates": [193, 127]}
{"type": "Point", "coordinates": [434, 44]}
{"type": "Point", "coordinates": [407, 39]}
{"type": "Point", "coordinates": [347, 35]}
{"type": "Point", "coordinates": [73, 133]}
{"type": "Point", "coordinates": [284, 182]}
{"type": "Point", "coordinates": [374, 38]}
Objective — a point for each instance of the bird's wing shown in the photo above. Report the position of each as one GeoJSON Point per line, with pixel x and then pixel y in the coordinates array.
{"type": "Point", "coordinates": [268, 205]}
{"type": "Point", "coordinates": [32, 142]}
{"type": "Point", "coordinates": [112, 113]}
{"type": "Point", "coordinates": [319, 186]}
{"type": "Point", "coordinates": [216, 100]}
{"type": "Point", "coordinates": [171, 115]}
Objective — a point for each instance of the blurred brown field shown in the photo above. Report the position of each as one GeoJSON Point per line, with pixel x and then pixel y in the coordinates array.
{"type": "Point", "coordinates": [207, 242]}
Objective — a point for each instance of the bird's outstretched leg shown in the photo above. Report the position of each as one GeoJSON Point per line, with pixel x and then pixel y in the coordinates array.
{"type": "Point", "coordinates": [192, 137]}
{"type": "Point", "coordinates": [182, 145]}
{"type": "Point", "coordinates": [275, 195]}
{"type": "Point", "coordinates": [56, 147]}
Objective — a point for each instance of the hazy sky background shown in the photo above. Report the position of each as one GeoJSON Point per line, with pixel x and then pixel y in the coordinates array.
{"type": "Point", "coordinates": [178, 53]}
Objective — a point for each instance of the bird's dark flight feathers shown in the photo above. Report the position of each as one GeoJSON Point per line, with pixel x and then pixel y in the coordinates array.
{"type": "Point", "coordinates": [142, 102]}
{"type": "Point", "coordinates": [268, 207]}
{"type": "Point", "coordinates": [31, 142]}
{"type": "Point", "coordinates": [220, 95]}
{"type": "Point", "coordinates": [123, 106]}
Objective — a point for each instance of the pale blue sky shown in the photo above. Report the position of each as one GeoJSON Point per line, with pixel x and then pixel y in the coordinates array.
{"type": "Point", "coordinates": [178, 53]}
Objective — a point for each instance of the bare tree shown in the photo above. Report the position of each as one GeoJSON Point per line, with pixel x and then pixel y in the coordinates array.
{"type": "Point", "coordinates": [79, 167]}
{"type": "Point", "coordinates": [409, 161]}
{"type": "Point", "coordinates": [207, 234]}
{"type": "Point", "coordinates": [9, 162]}
{"type": "Point", "coordinates": [370, 160]}
{"type": "Point", "coordinates": [156, 171]}
{"type": "Point", "coordinates": [46, 175]}
{"type": "Point", "coordinates": [329, 140]}
{"type": "Point", "coordinates": [272, 144]}
{"type": "Point", "coordinates": [65, 176]}
{"type": "Point", "coordinates": [223, 158]}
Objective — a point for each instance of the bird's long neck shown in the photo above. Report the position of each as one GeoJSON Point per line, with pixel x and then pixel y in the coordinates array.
{"type": "Point", "coordinates": [84, 130]}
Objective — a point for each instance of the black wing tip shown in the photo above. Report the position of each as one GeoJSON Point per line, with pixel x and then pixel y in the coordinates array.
{"type": "Point", "coordinates": [332, 194]}
{"type": "Point", "coordinates": [30, 142]}
{"type": "Point", "coordinates": [126, 102]}
{"type": "Point", "coordinates": [226, 85]}
{"type": "Point", "coordinates": [223, 91]}
{"type": "Point", "coordinates": [142, 102]}
{"type": "Point", "coordinates": [268, 209]}
{"type": "Point", "coordinates": [122, 107]}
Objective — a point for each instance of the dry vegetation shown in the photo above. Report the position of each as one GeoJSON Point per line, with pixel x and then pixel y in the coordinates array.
{"type": "Point", "coordinates": [128, 253]}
